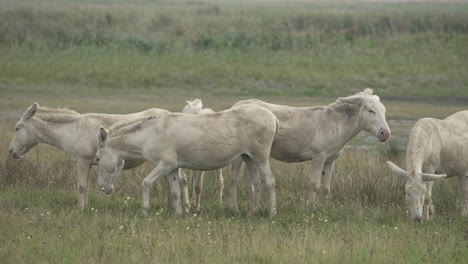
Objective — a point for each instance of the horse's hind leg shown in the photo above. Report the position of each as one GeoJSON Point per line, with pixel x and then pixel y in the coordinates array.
{"type": "Point", "coordinates": [254, 184]}
{"type": "Point", "coordinates": [220, 184]}
{"type": "Point", "coordinates": [265, 174]}
{"type": "Point", "coordinates": [174, 185]}
{"type": "Point", "coordinates": [184, 191]}
{"type": "Point", "coordinates": [234, 179]}
{"type": "Point", "coordinates": [197, 188]}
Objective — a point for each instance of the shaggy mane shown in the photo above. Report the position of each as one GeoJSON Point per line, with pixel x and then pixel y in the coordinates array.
{"type": "Point", "coordinates": [56, 115]}
{"type": "Point", "coordinates": [127, 126]}
{"type": "Point", "coordinates": [43, 109]}
{"type": "Point", "coordinates": [366, 93]}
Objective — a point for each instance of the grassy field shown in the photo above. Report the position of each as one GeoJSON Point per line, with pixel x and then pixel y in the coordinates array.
{"type": "Point", "coordinates": [126, 56]}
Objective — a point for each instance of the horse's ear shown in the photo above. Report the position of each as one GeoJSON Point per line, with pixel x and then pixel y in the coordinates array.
{"type": "Point", "coordinates": [120, 165]}
{"type": "Point", "coordinates": [432, 177]}
{"type": "Point", "coordinates": [30, 112]}
{"type": "Point", "coordinates": [102, 135]}
{"type": "Point", "coordinates": [397, 170]}
{"type": "Point", "coordinates": [350, 100]}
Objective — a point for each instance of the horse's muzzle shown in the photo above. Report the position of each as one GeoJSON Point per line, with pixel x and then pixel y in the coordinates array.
{"type": "Point", "coordinates": [383, 135]}
{"type": "Point", "coordinates": [14, 154]}
{"type": "Point", "coordinates": [106, 190]}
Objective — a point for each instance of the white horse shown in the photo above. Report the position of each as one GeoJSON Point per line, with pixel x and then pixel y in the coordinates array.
{"type": "Point", "coordinates": [196, 107]}
{"type": "Point", "coordinates": [73, 133]}
{"type": "Point", "coordinates": [435, 146]}
{"type": "Point", "coordinates": [319, 134]}
{"type": "Point", "coordinates": [196, 142]}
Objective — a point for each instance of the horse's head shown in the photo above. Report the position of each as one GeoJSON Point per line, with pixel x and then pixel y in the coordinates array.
{"type": "Point", "coordinates": [193, 107]}
{"type": "Point", "coordinates": [371, 114]}
{"type": "Point", "coordinates": [415, 188]}
{"type": "Point", "coordinates": [109, 163]}
{"type": "Point", "coordinates": [25, 134]}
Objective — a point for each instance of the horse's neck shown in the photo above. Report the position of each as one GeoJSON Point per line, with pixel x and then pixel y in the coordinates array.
{"type": "Point", "coordinates": [128, 146]}
{"type": "Point", "coordinates": [348, 123]}
{"type": "Point", "coordinates": [423, 143]}
{"type": "Point", "coordinates": [53, 133]}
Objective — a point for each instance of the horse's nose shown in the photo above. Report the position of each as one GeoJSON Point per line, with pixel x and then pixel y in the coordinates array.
{"type": "Point", "coordinates": [418, 218]}
{"type": "Point", "coordinates": [13, 153]}
{"type": "Point", "coordinates": [384, 134]}
{"type": "Point", "coordinates": [106, 190]}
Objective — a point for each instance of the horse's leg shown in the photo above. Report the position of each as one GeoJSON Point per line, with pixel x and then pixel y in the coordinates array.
{"type": "Point", "coordinates": [270, 185]}
{"type": "Point", "coordinates": [162, 168]}
{"type": "Point", "coordinates": [263, 175]}
{"type": "Point", "coordinates": [326, 178]}
{"type": "Point", "coordinates": [253, 186]}
{"type": "Point", "coordinates": [314, 179]}
{"type": "Point", "coordinates": [197, 188]}
{"type": "Point", "coordinates": [220, 184]}
{"type": "Point", "coordinates": [234, 175]}
{"type": "Point", "coordinates": [428, 208]}
{"type": "Point", "coordinates": [254, 183]}
{"type": "Point", "coordinates": [463, 185]}
{"type": "Point", "coordinates": [83, 167]}
{"type": "Point", "coordinates": [174, 186]}
{"type": "Point", "coordinates": [184, 191]}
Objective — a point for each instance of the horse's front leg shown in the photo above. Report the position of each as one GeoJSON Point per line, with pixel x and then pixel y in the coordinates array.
{"type": "Point", "coordinates": [428, 209]}
{"type": "Point", "coordinates": [162, 168]}
{"type": "Point", "coordinates": [326, 178]}
{"type": "Point", "coordinates": [83, 167]}
{"type": "Point", "coordinates": [314, 180]}
{"type": "Point", "coordinates": [463, 183]}
{"type": "Point", "coordinates": [220, 184]}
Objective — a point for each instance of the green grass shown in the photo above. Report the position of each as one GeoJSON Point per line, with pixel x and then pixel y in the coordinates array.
{"type": "Point", "coordinates": [127, 56]}
{"type": "Point", "coordinates": [279, 49]}
{"type": "Point", "coordinates": [365, 222]}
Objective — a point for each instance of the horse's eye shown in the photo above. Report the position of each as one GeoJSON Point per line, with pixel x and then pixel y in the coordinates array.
{"type": "Point", "coordinates": [97, 159]}
{"type": "Point", "coordinates": [17, 128]}
{"type": "Point", "coordinates": [371, 111]}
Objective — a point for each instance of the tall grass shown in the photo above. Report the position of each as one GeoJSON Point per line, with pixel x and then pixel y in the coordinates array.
{"type": "Point", "coordinates": [364, 222]}
{"type": "Point", "coordinates": [207, 26]}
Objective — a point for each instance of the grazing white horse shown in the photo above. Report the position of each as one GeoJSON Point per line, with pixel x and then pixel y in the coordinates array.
{"type": "Point", "coordinates": [319, 134]}
{"type": "Point", "coordinates": [73, 133]}
{"type": "Point", "coordinates": [435, 146]}
{"type": "Point", "coordinates": [196, 107]}
{"type": "Point", "coordinates": [196, 142]}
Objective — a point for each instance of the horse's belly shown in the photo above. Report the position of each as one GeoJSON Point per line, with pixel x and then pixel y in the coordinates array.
{"type": "Point", "coordinates": [207, 160]}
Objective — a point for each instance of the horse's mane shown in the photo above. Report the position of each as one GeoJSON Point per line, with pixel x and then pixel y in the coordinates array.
{"type": "Point", "coordinates": [56, 115]}
{"type": "Point", "coordinates": [366, 93]}
{"type": "Point", "coordinates": [129, 126]}
{"type": "Point", "coordinates": [44, 109]}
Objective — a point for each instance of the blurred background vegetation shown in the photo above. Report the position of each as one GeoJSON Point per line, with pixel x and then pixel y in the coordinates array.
{"type": "Point", "coordinates": [236, 48]}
